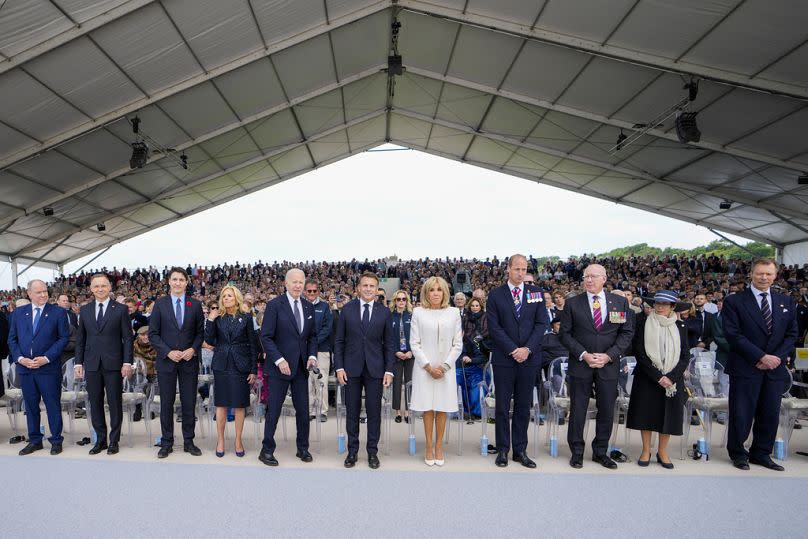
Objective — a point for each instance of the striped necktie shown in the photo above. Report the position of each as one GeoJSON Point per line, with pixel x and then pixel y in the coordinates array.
{"type": "Point", "coordinates": [766, 310]}
{"type": "Point", "coordinates": [596, 314]}
{"type": "Point", "coordinates": [517, 302]}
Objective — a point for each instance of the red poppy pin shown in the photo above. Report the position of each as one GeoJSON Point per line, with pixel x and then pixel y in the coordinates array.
{"type": "Point", "coordinates": [187, 303]}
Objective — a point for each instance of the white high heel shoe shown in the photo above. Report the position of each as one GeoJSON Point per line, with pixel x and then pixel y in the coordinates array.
{"type": "Point", "coordinates": [439, 462]}
{"type": "Point", "coordinates": [430, 462]}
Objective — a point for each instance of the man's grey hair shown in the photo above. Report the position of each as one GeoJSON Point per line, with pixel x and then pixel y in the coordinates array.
{"type": "Point", "coordinates": [292, 272]}
{"type": "Point", "coordinates": [32, 281]}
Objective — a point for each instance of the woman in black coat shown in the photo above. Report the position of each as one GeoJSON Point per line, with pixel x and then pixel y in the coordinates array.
{"type": "Point", "coordinates": [235, 349]}
{"type": "Point", "coordinates": [402, 316]}
{"type": "Point", "coordinates": [658, 391]}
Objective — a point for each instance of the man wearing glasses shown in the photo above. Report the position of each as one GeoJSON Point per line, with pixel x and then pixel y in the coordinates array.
{"type": "Point", "coordinates": [323, 323]}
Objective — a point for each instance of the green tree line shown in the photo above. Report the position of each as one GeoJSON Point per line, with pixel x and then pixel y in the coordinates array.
{"type": "Point", "coordinates": [719, 247]}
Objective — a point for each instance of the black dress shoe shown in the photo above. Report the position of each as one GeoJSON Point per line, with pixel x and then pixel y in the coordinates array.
{"type": "Point", "coordinates": [666, 465]}
{"type": "Point", "coordinates": [502, 459]}
{"type": "Point", "coordinates": [311, 417]}
{"type": "Point", "coordinates": [98, 447]}
{"type": "Point", "coordinates": [267, 458]}
{"type": "Point", "coordinates": [165, 451]}
{"type": "Point", "coordinates": [373, 461]}
{"type": "Point", "coordinates": [350, 460]}
{"type": "Point", "coordinates": [398, 419]}
{"type": "Point", "coordinates": [30, 448]}
{"type": "Point", "coordinates": [605, 461]}
{"type": "Point", "coordinates": [56, 449]}
{"type": "Point", "coordinates": [577, 462]}
{"type": "Point", "coordinates": [113, 449]}
{"type": "Point", "coordinates": [304, 455]}
{"type": "Point", "coordinates": [524, 460]}
{"type": "Point", "coordinates": [323, 418]}
{"type": "Point", "coordinates": [192, 449]}
{"type": "Point", "coordinates": [767, 463]}
{"type": "Point", "coordinates": [741, 463]}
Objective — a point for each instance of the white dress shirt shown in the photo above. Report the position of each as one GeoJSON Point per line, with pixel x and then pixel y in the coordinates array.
{"type": "Point", "coordinates": [757, 294]}
{"type": "Point", "coordinates": [591, 299]}
{"type": "Point", "coordinates": [33, 315]}
{"type": "Point", "coordinates": [292, 306]}
{"type": "Point", "coordinates": [370, 304]}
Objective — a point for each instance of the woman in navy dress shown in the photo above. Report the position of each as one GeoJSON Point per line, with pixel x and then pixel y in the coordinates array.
{"type": "Point", "coordinates": [235, 349]}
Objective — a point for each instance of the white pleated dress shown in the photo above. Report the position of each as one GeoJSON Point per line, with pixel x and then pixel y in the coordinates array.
{"type": "Point", "coordinates": [436, 337]}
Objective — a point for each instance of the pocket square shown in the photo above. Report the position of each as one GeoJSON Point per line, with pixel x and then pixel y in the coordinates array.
{"type": "Point", "coordinates": [309, 318]}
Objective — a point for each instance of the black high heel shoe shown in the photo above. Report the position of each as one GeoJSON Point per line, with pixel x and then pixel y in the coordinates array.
{"type": "Point", "coordinates": [644, 463]}
{"type": "Point", "coordinates": [666, 465]}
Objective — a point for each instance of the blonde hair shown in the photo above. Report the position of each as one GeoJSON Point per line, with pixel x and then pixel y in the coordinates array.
{"type": "Point", "coordinates": [392, 304]}
{"type": "Point", "coordinates": [429, 283]}
{"type": "Point", "coordinates": [236, 294]}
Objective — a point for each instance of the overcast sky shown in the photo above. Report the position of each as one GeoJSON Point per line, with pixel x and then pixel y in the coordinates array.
{"type": "Point", "coordinates": [407, 203]}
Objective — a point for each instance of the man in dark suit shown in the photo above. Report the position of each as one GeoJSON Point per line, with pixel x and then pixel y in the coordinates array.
{"type": "Point", "coordinates": [761, 329]}
{"type": "Point", "coordinates": [364, 358]}
{"type": "Point", "coordinates": [517, 321]}
{"type": "Point", "coordinates": [176, 329]}
{"type": "Point", "coordinates": [64, 302]}
{"type": "Point", "coordinates": [597, 328]}
{"type": "Point", "coordinates": [104, 357]}
{"type": "Point", "coordinates": [705, 319]}
{"type": "Point", "coordinates": [289, 339]}
{"type": "Point", "coordinates": [3, 349]}
{"type": "Point", "coordinates": [37, 336]}
{"type": "Point", "coordinates": [137, 320]}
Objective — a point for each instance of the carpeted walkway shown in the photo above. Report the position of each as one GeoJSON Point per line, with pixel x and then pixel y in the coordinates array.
{"type": "Point", "coordinates": [49, 496]}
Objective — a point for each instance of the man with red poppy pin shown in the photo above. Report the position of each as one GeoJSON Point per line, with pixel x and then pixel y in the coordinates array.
{"type": "Point", "coordinates": [176, 329]}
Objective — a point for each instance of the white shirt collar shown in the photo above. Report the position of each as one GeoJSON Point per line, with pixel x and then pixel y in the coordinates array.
{"type": "Point", "coordinates": [591, 296]}
{"type": "Point", "coordinates": [759, 292]}
{"type": "Point", "coordinates": [175, 298]}
{"type": "Point", "coordinates": [511, 287]}
{"type": "Point", "coordinates": [292, 300]}
{"type": "Point", "coordinates": [105, 303]}
{"type": "Point", "coordinates": [362, 304]}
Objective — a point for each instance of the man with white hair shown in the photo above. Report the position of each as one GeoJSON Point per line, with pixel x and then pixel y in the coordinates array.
{"type": "Point", "coordinates": [460, 303]}
{"type": "Point", "coordinates": [289, 339]}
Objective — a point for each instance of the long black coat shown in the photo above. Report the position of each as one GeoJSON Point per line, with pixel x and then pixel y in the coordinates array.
{"type": "Point", "coordinates": [649, 408]}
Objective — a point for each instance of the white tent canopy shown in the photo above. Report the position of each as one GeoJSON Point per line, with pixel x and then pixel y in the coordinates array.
{"type": "Point", "coordinates": [257, 92]}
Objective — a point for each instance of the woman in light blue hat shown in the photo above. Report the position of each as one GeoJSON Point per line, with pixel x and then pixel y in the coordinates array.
{"type": "Point", "coordinates": [658, 392]}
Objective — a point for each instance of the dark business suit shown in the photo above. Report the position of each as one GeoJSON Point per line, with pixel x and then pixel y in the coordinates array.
{"type": "Point", "coordinates": [3, 348]}
{"type": "Point", "coordinates": [578, 335]}
{"type": "Point", "coordinates": [48, 340]}
{"type": "Point", "coordinates": [365, 355]}
{"type": "Point", "coordinates": [281, 337]}
{"type": "Point", "coordinates": [511, 379]}
{"type": "Point", "coordinates": [166, 335]}
{"type": "Point", "coordinates": [755, 394]}
{"type": "Point", "coordinates": [102, 349]}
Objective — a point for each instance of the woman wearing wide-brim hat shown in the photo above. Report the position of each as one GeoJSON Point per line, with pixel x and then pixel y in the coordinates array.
{"type": "Point", "coordinates": [658, 392]}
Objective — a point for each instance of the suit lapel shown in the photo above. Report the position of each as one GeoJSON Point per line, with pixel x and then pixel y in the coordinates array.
{"type": "Point", "coordinates": [186, 312]}
{"type": "Point", "coordinates": [41, 319]}
{"type": "Point", "coordinates": [750, 302]}
{"type": "Point", "coordinates": [110, 306]}
{"type": "Point", "coordinates": [290, 313]}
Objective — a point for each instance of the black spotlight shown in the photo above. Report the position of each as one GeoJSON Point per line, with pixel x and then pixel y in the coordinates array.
{"type": "Point", "coordinates": [47, 211]}
{"type": "Point", "coordinates": [620, 139]}
{"type": "Point", "coordinates": [184, 160]}
{"type": "Point", "coordinates": [686, 128]}
{"type": "Point", "coordinates": [802, 179]}
{"type": "Point", "coordinates": [140, 155]}
{"type": "Point", "coordinates": [101, 227]}
{"type": "Point", "coordinates": [725, 205]}
{"type": "Point", "coordinates": [394, 65]}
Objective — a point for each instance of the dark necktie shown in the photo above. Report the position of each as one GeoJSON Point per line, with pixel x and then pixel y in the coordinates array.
{"type": "Point", "coordinates": [100, 314]}
{"type": "Point", "coordinates": [766, 310]}
{"type": "Point", "coordinates": [298, 316]}
{"type": "Point", "coordinates": [366, 317]}
{"type": "Point", "coordinates": [178, 313]}
{"type": "Point", "coordinates": [597, 316]}
{"type": "Point", "coordinates": [517, 302]}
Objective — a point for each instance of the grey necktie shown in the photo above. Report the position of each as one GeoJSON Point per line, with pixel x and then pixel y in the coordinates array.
{"type": "Point", "coordinates": [298, 316]}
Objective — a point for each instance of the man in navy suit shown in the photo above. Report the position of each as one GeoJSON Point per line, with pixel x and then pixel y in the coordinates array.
{"type": "Point", "coordinates": [761, 328]}
{"type": "Point", "coordinates": [289, 339]}
{"type": "Point", "coordinates": [364, 351]}
{"type": "Point", "coordinates": [37, 337]}
{"type": "Point", "coordinates": [517, 321]}
{"type": "Point", "coordinates": [597, 328]}
{"type": "Point", "coordinates": [104, 356]}
{"type": "Point", "coordinates": [176, 329]}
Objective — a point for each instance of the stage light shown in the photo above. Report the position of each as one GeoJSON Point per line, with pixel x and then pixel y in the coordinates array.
{"type": "Point", "coordinates": [725, 205]}
{"type": "Point", "coordinates": [802, 179]}
{"type": "Point", "coordinates": [394, 66]}
{"type": "Point", "coordinates": [101, 227]}
{"type": "Point", "coordinates": [47, 211]}
{"type": "Point", "coordinates": [140, 155]}
{"type": "Point", "coordinates": [184, 159]}
{"type": "Point", "coordinates": [620, 138]}
{"type": "Point", "coordinates": [686, 128]}
{"type": "Point", "coordinates": [692, 88]}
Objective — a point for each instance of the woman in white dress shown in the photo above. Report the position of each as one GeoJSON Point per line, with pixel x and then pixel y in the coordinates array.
{"type": "Point", "coordinates": [436, 341]}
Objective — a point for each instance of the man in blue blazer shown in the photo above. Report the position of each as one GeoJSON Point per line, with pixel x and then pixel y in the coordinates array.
{"type": "Point", "coordinates": [36, 339]}
{"type": "Point", "coordinates": [289, 339]}
{"type": "Point", "coordinates": [364, 357]}
{"type": "Point", "coordinates": [761, 328]}
{"type": "Point", "coordinates": [517, 321]}
{"type": "Point", "coordinates": [104, 357]}
{"type": "Point", "coordinates": [176, 329]}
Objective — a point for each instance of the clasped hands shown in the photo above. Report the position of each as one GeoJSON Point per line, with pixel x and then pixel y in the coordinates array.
{"type": "Point", "coordinates": [768, 362]}
{"type": "Point", "coordinates": [34, 363]}
{"type": "Point", "coordinates": [596, 360]}
{"type": "Point", "coordinates": [520, 355]}
{"type": "Point", "coordinates": [181, 355]}
{"type": "Point", "coordinates": [404, 355]}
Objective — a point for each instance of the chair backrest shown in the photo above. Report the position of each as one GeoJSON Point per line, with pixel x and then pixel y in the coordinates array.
{"type": "Point", "coordinates": [557, 382]}
{"type": "Point", "coordinates": [625, 376]}
{"type": "Point", "coordinates": [206, 359]}
{"type": "Point", "coordinates": [68, 375]}
{"type": "Point", "coordinates": [136, 383]}
{"type": "Point", "coordinates": [12, 378]}
{"type": "Point", "coordinates": [705, 377]}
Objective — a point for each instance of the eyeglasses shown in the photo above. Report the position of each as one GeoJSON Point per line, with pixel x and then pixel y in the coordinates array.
{"type": "Point", "coordinates": [593, 277]}
{"type": "Point", "coordinates": [401, 299]}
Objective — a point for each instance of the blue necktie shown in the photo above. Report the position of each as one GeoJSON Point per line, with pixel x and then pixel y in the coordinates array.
{"type": "Point", "coordinates": [366, 317]}
{"type": "Point", "coordinates": [36, 318]}
{"type": "Point", "coordinates": [178, 313]}
{"type": "Point", "coordinates": [517, 302]}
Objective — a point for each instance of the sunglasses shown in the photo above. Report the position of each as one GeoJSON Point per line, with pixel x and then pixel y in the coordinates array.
{"type": "Point", "coordinates": [311, 291]}
{"type": "Point", "coordinates": [401, 299]}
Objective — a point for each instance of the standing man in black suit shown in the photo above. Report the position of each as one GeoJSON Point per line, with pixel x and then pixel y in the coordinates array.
{"type": "Point", "coordinates": [176, 329]}
{"type": "Point", "coordinates": [289, 339]}
{"type": "Point", "coordinates": [761, 328]}
{"type": "Point", "coordinates": [64, 302]}
{"type": "Point", "coordinates": [364, 358]}
{"type": "Point", "coordinates": [517, 321]}
{"type": "Point", "coordinates": [3, 348]}
{"type": "Point", "coordinates": [705, 338]}
{"type": "Point", "coordinates": [596, 328]}
{"type": "Point", "coordinates": [104, 357]}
